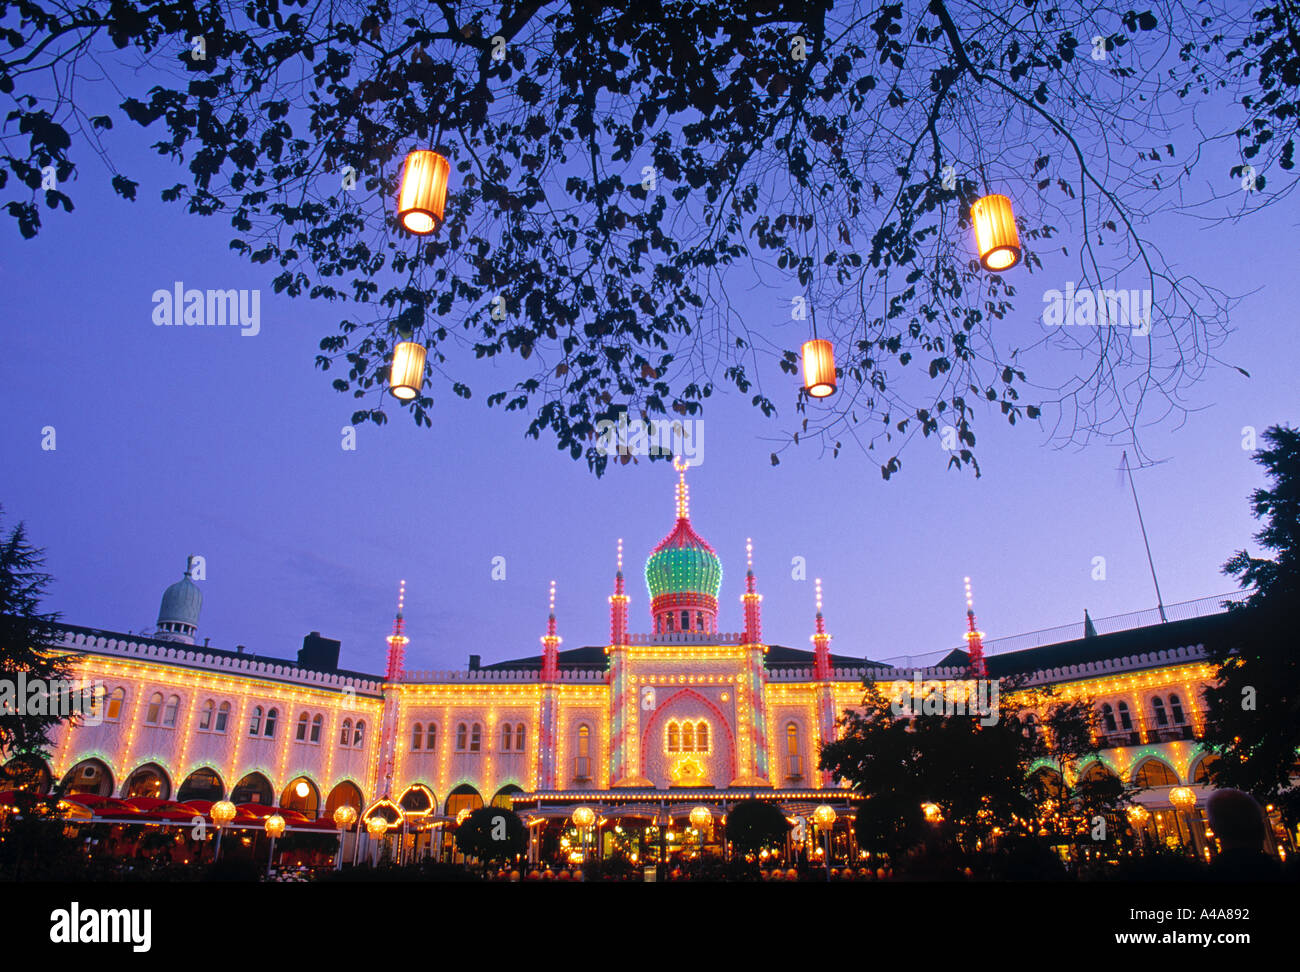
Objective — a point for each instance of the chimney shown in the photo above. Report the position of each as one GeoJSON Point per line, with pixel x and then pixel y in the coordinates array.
{"type": "Point", "coordinates": [319, 654]}
{"type": "Point", "coordinates": [239, 649]}
{"type": "Point", "coordinates": [474, 662]}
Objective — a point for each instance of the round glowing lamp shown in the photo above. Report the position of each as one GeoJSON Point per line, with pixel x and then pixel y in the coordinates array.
{"type": "Point", "coordinates": [376, 826]}
{"type": "Point", "coordinates": [274, 825]}
{"type": "Point", "coordinates": [406, 374]}
{"type": "Point", "coordinates": [223, 811]}
{"type": "Point", "coordinates": [996, 238]}
{"type": "Point", "coordinates": [819, 368]}
{"type": "Point", "coordinates": [932, 812]}
{"type": "Point", "coordinates": [301, 790]}
{"type": "Point", "coordinates": [423, 192]}
{"type": "Point", "coordinates": [824, 816]}
{"type": "Point", "coordinates": [1138, 814]}
{"type": "Point", "coordinates": [1183, 797]}
{"type": "Point", "coordinates": [700, 817]}
{"type": "Point", "coordinates": [345, 816]}
{"type": "Point", "coordinates": [584, 816]}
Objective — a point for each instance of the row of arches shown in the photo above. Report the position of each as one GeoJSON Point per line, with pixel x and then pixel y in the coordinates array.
{"type": "Point", "coordinates": [94, 777]}
{"type": "Point", "coordinates": [1150, 773]}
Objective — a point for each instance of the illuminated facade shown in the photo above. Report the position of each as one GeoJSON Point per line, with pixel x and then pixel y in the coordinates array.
{"type": "Point", "coordinates": [680, 715]}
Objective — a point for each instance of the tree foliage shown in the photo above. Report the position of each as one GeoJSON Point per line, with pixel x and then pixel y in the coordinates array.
{"type": "Point", "coordinates": [492, 834]}
{"type": "Point", "coordinates": [755, 824]}
{"type": "Point", "coordinates": [1252, 720]}
{"type": "Point", "coordinates": [622, 174]}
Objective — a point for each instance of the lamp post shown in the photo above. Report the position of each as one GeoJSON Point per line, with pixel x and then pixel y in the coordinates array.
{"type": "Point", "coordinates": [344, 817]}
{"type": "Point", "coordinates": [376, 827]}
{"type": "Point", "coordinates": [700, 817]}
{"type": "Point", "coordinates": [222, 812]}
{"type": "Point", "coordinates": [824, 817]}
{"type": "Point", "coordinates": [274, 828]}
{"type": "Point", "coordinates": [584, 817]}
{"type": "Point", "coordinates": [1184, 798]}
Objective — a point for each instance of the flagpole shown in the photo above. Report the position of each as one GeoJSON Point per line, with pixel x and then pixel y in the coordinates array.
{"type": "Point", "coordinates": [1160, 604]}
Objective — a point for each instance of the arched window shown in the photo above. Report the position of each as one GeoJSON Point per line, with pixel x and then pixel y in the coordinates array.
{"type": "Point", "coordinates": [171, 710]}
{"type": "Point", "coordinates": [1125, 721]}
{"type": "Point", "coordinates": [116, 699]}
{"type": "Point", "coordinates": [431, 737]}
{"type": "Point", "coordinates": [417, 735]}
{"type": "Point", "coordinates": [359, 733]}
{"type": "Point", "coordinates": [1108, 717]}
{"type": "Point", "coordinates": [688, 737]}
{"type": "Point", "coordinates": [1158, 704]}
{"type": "Point", "coordinates": [519, 737]}
{"type": "Point", "coordinates": [793, 763]}
{"type": "Point", "coordinates": [674, 738]}
{"type": "Point", "coordinates": [255, 721]}
{"type": "Point", "coordinates": [507, 736]}
{"type": "Point", "coordinates": [153, 715]}
{"type": "Point", "coordinates": [686, 620]}
{"type": "Point", "coordinates": [1176, 710]}
{"type": "Point", "coordinates": [268, 727]}
{"type": "Point", "coordinates": [301, 734]}
{"type": "Point", "coordinates": [1029, 725]}
{"type": "Point", "coordinates": [1202, 774]}
{"type": "Point", "coordinates": [315, 727]}
{"type": "Point", "coordinates": [345, 736]}
{"type": "Point", "coordinates": [582, 761]}
{"type": "Point", "coordinates": [223, 716]}
{"type": "Point", "coordinates": [476, 738]}
{"type": "Point", "coordinates": [1155, 773]}
{"type": "Point", "coordinates": [205, 719]}
{"type": "Point", "coordinates": [462, 735]}
{"type": "Point", "coordinates": [702, 736]}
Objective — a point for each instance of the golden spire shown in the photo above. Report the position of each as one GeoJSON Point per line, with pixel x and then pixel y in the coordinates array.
{"type": "Point", "coordinates": [683, 497]}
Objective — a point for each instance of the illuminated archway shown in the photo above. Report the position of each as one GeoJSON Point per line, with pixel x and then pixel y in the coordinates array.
{"type": "Point", "coordinates": [302, 795]}
{"type": "Point", "coordinates": [344, 794]}
{"type": "Point", "coordinates": [202, 784]}
{"type": "Point", "coordinates": [27, 772]}
{"type": "Point", "coordinates": [148, 780]}
{"type": "Point", "coordinates": [253, 788]}
{"type": "Point", "coordinates": [464, 797]}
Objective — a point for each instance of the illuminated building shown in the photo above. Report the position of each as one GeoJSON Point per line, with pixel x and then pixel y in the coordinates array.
{"type": "Point", "coordinates": [649, 724]}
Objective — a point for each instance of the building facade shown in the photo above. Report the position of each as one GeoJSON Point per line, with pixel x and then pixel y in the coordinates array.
{"type": "Point", "coordinates": [648, 722]}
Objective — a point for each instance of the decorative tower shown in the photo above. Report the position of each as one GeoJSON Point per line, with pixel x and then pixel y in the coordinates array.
{"type": "Point", "coordinates": [397, 642]}
{"type": "Point", "coordinates": [547, 776]}
{"type": "Point", "coordinates": [822, 673]}
{"type": "Point", "coordinates": [751, 690]}
{"type": "Point", "coordinates": [618, 605]}
{"type": "Point", "coordinates": [974, 638]}
{"type": "Point", "coordinates": [683, 574]}
{"type": "Point", "coordinates": [752, 600]}
{"type": "Point", "coordinates": [178, 614]}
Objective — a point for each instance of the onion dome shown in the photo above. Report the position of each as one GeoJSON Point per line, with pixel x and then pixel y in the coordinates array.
{"type": "Point", "coordinates": [683, 574]}
{"type": "Point", "coordinates": [178, 614]}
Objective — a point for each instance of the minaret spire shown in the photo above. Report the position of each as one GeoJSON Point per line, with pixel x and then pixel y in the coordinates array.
{"type": "Point", "coordinates": [551, 645]}
{"type": "Point", "coordinates": [821, 642]}
{"type": "Point", "coordinates": [974, 638]}
{"type": "Point", "coordinates": [618, 604]}
{"type": "Point", "coordinates": [397, 641]}
{"type": "Point", "coordinates": [683, 492]}
{"type": "Point", "coordinates": [752, 599]}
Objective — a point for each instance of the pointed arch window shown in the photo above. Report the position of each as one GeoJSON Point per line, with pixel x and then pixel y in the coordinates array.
{"type": "Point", "coordinates": [417, 736]}
{"type": "Point", "coordinates": [268, 728]}
{"type": "Point", "coordinates": [345, 734]}
{"type": "Point", "coordinates": [255, 721]}
{"type": "Point", "coordinates": [462, 737]}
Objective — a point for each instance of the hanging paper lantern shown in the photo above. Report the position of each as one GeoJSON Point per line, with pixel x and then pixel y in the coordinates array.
{"type": "Point", "coordinates": [407, 373]}
{"type": "Point", "coordinates": [995, 233]}
{"type": "Point", "coordinates": [819, 368]}
{"type": "Point", "coordinates": [423, 191]}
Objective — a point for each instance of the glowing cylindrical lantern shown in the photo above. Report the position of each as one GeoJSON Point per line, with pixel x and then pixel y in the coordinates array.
{"type": "Point", "coordinates": [223, 811]}
{"type": "Point", "coordinates": [819, 368]}
{"type": "Point", "coordinates": [995, 233]}
{"type": "Point", "coordinates": [274, 825]}
{"type": "Point", "coordinates": [407, 373]}
{"type": "Point", "coordinates": [423, 192]}
{"type": "Point", "coordinates": [1183, 797]}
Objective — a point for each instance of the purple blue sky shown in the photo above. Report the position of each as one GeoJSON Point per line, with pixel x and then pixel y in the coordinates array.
{"type": "Point", "coordinates": [173, 441]}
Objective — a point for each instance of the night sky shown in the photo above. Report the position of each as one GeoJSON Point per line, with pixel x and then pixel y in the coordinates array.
{"type": "Point", "coordinates": [173, 441]}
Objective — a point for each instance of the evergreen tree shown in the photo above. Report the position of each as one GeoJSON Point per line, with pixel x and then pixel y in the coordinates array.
{"type": "Point", "coordinates": [1252, 721]}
